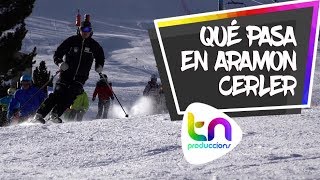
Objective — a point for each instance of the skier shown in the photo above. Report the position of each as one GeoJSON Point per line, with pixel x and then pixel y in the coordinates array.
{"type": "Point", "coordinates": [4, 102]}
{"type": "Point", "coordinates": [104, 91]}
{"type": "Point", "coordinates": [25, 101]}
{"type": "Point", "coordinates": [79, 107]}
{"type": "Point", "coordinates": [152, 90]}
{"type": "Point", "coordinates": [79, 51]}
{"type": "Point", "coordinates": [162, 101]}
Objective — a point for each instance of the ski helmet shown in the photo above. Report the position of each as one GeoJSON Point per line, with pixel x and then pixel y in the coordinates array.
{"type": "Point", "coordinates": [104, 76]}
{"type": "Point", "coordinates": [87, 17]}
{"type": "Point", "coordinates": [11, 91]}
{"type": "Point", "coordinates": [153, 77]}
{"type": "Point", "coordinates": [26, 78]}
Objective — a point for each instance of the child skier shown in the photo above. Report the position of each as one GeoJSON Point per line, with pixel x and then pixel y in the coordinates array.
{"type": "Point", "coordinates": [79, 107]}
{"type": "Point", "coordinates": [104, 91]}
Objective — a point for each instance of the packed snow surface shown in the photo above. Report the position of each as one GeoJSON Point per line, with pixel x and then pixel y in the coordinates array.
{"type": "Point", "coordinates": [277, 147]}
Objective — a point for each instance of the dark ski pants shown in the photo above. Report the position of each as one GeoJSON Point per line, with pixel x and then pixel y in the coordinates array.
{"type": "Point", "coordinates": [103, 106]}
{"type": "Point", "coordinates": [78, 114]}
{"type": "Point", "coordinates": [63, 96]}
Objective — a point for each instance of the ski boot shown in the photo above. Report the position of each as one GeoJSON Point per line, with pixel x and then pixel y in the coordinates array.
{"type": "Point", "coordinates": [38, 118]}
{"type": "Point", "coordinates": [55, 118]}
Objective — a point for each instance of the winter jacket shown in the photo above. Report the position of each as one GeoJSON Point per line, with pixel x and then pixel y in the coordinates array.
{"type": "Point", "coordinates": [21, 97]}
{"type": "Point", "coordinates": [103, 90]}
{"type": "Point", "coordinates": [80, 54]}
{"type": "Point", "coordinates": [152, 89]}
{"type": "Point", "coordinates": [4, 102]}
{"type": "Point", "coordinates": [81, 103]}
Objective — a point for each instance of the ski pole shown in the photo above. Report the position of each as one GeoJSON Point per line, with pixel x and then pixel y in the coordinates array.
{"type": "Point", "coordinates": [127, 115]}
{"type": "Point", "coordinates": [40, 89]}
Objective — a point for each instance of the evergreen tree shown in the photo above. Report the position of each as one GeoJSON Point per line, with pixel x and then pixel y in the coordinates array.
{"type": "Point", "coordinates": [12, 32]}
{"type": "Point", "coordinates": [41, 75]}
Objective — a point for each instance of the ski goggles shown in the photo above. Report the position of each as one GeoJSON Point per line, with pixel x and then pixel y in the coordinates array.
{"type": "Point", "coordinates": [86, 29]}
{"type": "Point", "coordinates": [25, 82]}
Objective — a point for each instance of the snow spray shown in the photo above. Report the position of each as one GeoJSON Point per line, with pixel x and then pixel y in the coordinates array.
{"type": "Point", "coordinates": [143, 106]}
{"type": "Point", "coordinates": [116, 111]}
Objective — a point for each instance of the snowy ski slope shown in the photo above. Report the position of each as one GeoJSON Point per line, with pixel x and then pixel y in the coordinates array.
{"type": "Point", "coordinates": [143, 146]}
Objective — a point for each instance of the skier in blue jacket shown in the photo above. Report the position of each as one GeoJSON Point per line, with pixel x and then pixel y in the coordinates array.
{"type": "Point", "coordinates": [26, 100]}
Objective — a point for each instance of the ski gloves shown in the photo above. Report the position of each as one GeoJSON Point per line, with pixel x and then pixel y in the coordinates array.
{"type": "Point", "coordinates": [63, 66]}
{"type": "Point", "coordinates": [99, 69]}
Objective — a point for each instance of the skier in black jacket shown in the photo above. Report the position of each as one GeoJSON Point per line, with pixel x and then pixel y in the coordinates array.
{"type": "Point", "coordinates": [78, 53]}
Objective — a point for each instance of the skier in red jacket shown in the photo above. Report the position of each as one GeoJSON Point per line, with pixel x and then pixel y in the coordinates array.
{"type": "Point", "coordinates": [104, 91]}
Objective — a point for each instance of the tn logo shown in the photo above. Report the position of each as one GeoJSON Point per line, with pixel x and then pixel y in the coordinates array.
{"type": "Point", "coordinates": [198, 137]}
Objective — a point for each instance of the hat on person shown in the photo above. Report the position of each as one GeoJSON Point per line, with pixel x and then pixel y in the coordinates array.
{"type": "Point", "coordinates": [104, 77]}
{"type": "Point", "coordinates": [153, 77]}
